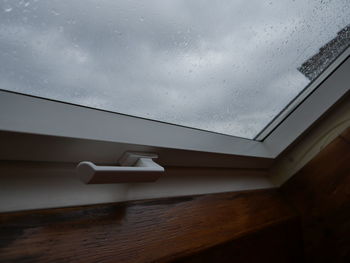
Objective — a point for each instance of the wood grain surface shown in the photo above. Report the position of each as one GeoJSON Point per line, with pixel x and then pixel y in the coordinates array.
{"type": "Point", "coordinates": [321, 194]}
{"type": "Point", "coordinates": [278, 243]}
{"type": "Point", "coordinates": [142, 231]}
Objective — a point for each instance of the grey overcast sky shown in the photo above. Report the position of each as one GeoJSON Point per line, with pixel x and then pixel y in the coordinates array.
{"type": "Point", "coordinates": [225, 66]}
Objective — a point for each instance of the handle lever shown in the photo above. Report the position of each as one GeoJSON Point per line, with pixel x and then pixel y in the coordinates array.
{"type": "Point", "coordinates": [135, 167]}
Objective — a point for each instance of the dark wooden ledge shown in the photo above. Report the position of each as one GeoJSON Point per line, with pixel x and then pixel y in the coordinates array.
{"type": "Point", "coordinates": [143, 231]}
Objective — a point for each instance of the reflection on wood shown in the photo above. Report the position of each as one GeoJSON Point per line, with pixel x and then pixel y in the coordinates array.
{"type": "Point", "coordinates": [143, 231]}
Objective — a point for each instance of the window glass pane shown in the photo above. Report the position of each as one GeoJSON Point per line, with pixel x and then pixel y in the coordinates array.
{"type": "Point", "coordinates": [224, 66]}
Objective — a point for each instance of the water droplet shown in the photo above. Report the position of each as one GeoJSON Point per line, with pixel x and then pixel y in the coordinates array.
{"type": "Point", "coordinates": [117, 32]}
{"type": "Point", "coordinates": [54, 12]}
{"type": "Point", "coordinates": [71, 22]}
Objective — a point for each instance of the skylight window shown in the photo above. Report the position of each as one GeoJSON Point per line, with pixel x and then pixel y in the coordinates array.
{"type": "Point", "coordinates": [229, 66]}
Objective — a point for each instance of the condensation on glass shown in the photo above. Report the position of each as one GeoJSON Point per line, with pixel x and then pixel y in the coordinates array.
{"type": "Point", "coordinates": [223, 66]}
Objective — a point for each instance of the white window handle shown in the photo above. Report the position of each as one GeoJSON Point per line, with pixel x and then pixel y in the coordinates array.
{"type": "Point", "coordinates": [135, 167]}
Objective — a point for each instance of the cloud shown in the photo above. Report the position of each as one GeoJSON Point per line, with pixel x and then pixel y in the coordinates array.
{"type": "Point", "coordinates": [224, 66]}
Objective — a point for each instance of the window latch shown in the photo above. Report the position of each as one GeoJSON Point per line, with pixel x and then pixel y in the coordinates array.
{"type": "Point", "coordinates": [134, 168]}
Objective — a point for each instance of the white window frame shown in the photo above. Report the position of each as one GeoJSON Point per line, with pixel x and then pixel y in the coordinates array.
{"type": "Point", "coordinates": [36, 129]}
